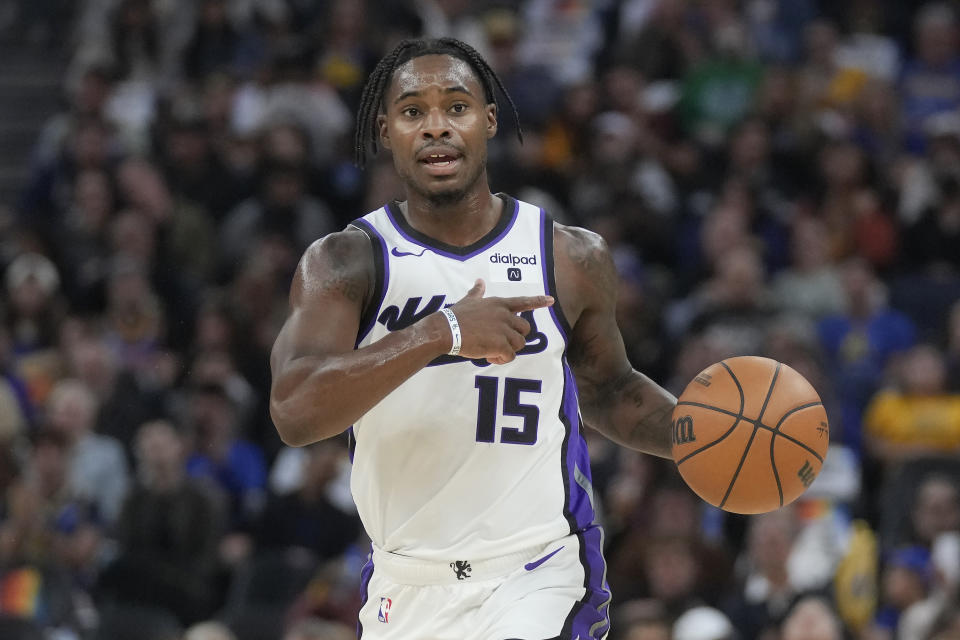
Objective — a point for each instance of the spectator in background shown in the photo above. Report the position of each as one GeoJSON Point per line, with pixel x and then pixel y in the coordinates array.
{"type": "Point", "coordinates": [82, 241]}
{"type": "Point", "coordinates": [904, 582]}
{"type": "Point", "coordinates": [930, 81]}
{"type": "Point", "coordinates": [216, 45]}
{"type": "Point", "coordinates": [529, 83]}
{"type": "Point", "coordinates": [126, 400]}
{"type": "Point", "coordinates": [947, 625]}
{"type": "Point", "coordinates": [811, 618]}
{"type": "Point", "coordinates": [168, 532]}
{"type": "Point", "coordinates": [935, 510]}
{"type": "Point", "coordinates": [919, 621]}
{"type": "Point", "coordinates": [282, 211]}
{"type": "Point", "coordinates": [666, 550]}
{"type": "Point", "coordinates": [851, 207]}
{"type": "Point", "coordinates": [673, 573]}
{"type": "Point", "coordinates": [734, 305]}
{"type": "Point", "coordinates": [48, 539]}
{"type": "Point", "coordinates": [285, 90]}
{"type": "Point", "coordinates": [953, 347]}
{"type": "Point", "coordinates": [563, 35]}
{"type": "Point", "coordinates": [209, 631]}
{"type": "Point", "coordinates": [316, 629]}
{"type": "Point", "coordinates": [133, 318]}
{"type": "Point", "coordinates": [16, 412]}
{"type": "Point", "coordinates": [307, 517]}
{"type": "Point", "coordinates": [661, 48]}
{"type": "Point", "coordinates": [811, 285]}
{"type": "Point", "coordinates": [347, 54]}
{"type": "Point", "coordinates": [767, 590]}
{"type": "Point", "coordinates": [932, 243]}
{"type": "Point", "coordinates": [220, 455]}
{"type": "Point", "coordinates": [191, 166]}
{"type": "Point", "coordinates": [719, 90]}
{"type": "Point", "coordinates": [920, 417]}
{"type": "Point", "coordinates": [703, 623]}
{"type": "Point", "coordinates": [85, 100]}
{"type": "Point", "coordinates": [33, 286]}
{"type": "Point", "coordinates": [860, 343]}
{"type": "Point", "coordinates": [97, 463]}
{"type": "Point", "coordinates": [89, 145]}
{"type": "Point", "coordinates": [640, 620]}
{"type": "Point", "coordinates": [181, 228]}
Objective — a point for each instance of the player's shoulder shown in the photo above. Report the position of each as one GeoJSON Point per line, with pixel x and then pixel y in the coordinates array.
{"type": "Point", "coordinates": [584, 269]}
{"type": "Point", "coordinates": [339, 248]}
{"type": "Point", "coordinates": [583, 248]}
{"type": "Point", "coordinates": [341, 261]}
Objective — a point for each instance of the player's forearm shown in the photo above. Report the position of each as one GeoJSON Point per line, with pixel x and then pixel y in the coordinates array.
{"type": "Point", "coordinates": [633, 411]}
{"type": "Point", "coordinates": [318, 397]}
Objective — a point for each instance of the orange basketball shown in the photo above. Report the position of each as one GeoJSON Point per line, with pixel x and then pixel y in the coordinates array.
{"type": "Point", "coordinates": [749, 434]}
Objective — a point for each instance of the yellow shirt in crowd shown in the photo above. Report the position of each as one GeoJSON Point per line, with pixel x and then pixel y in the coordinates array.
{"type": "Point", "coordinates": [930, 421]}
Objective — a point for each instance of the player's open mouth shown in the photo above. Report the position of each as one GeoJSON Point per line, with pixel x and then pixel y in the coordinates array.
{"type": "Point", "coordinates": [440, 164]}
{"type": "Point", "coordinates": [439, 160]}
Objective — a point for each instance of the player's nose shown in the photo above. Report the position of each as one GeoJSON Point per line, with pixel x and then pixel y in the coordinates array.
{"type": "Point", "coordinates": [435, 125]}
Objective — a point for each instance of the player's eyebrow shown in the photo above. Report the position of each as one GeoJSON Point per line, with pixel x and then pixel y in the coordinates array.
{"type": "Point", "coordinates": [416, 94]}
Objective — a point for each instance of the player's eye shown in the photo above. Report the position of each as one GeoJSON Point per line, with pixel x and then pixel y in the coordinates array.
{"type": "Point", "coordinates": [458, 107]}
{"type": "Point", "coordinates": [411, 112]}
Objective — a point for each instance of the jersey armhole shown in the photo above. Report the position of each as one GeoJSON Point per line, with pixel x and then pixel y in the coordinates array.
{"type": "Point", "coordinates": [549, 274]}
{"type": "Point", "coordinates": [379, 248]}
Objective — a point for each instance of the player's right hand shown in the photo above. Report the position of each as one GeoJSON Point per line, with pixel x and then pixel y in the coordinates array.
{"type": "Point", "coordinates": [491, 327]}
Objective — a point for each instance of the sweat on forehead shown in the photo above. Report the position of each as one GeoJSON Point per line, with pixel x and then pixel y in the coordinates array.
{"type": "Point", "coordinates": [441, 70]}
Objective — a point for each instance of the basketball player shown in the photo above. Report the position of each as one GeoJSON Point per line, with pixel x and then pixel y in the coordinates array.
{"type": "Point", "coordinates": [460, 335]}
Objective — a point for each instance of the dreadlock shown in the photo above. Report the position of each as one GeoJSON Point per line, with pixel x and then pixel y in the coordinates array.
{"type": "Point", "coordinates": [367, 132]}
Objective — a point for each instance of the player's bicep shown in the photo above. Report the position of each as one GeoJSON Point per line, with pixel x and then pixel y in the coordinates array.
{"type": "Point", "coordinates": [596, 353]}
{"type": "Point", "coordinates": [597, 357]}
{"type": "Point", "coordinates": [327, 298]}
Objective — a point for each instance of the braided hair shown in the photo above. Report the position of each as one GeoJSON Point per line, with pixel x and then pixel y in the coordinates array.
{"type": "Point", "coordinates": [368, 132]}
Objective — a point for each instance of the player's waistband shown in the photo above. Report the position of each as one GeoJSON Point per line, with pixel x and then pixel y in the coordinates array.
{"type": "Point", "coordinates": [414, 571]}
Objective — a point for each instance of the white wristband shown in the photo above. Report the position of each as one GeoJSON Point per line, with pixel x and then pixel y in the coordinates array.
{"type": "Point", "coordinates": [455, 330]}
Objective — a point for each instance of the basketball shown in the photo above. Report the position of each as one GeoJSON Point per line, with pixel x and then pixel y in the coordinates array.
{"type": "Point", "coordinates": [750, 434]}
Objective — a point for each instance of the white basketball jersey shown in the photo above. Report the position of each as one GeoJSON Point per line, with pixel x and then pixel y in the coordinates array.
{"type": "Point", "coordinates": [467, 459]}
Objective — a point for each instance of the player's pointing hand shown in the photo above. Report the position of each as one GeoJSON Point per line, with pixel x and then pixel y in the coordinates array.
{"type": "Point", "coordinates": [490, 327]}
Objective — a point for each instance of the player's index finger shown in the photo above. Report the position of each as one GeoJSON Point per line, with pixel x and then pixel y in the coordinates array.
{"type": "Point", "coordinates": [526, 303]}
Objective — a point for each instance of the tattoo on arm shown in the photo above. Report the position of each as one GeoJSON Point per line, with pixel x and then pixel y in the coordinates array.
{"type": "Point", "coordinates": [616, 400]}
{"type": "Point", "coordinates": [652, 428]}
{"type": "Point", "coordinates": [582, 353]}
{"type": "Point", "coordinates": [340, 270]}
{"type": "Point", "coordinates": [344, 284]}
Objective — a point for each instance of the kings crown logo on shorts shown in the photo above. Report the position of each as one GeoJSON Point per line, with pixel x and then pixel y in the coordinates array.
{"type": "Point", "coordinates": [385, 604]}
{"type": "Point", "coordinates": [512, 260]}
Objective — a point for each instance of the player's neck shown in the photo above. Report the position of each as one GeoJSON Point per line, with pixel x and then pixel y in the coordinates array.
{"type": "Point", "coordinates": [459, 223]}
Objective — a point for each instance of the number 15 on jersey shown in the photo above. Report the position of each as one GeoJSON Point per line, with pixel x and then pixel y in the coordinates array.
{"type": "Point", "coordinates": [489, 388]}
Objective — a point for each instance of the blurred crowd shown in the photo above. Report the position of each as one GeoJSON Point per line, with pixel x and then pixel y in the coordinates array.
{"type": "Point", "coordinates": [774, 177]}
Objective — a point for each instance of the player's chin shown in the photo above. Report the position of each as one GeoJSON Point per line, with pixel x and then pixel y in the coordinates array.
{"type": "Point", "coordinates": [441, 194]}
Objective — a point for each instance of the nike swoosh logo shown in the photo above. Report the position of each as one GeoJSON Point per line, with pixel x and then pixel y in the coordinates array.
{"type": "Point", "coordinates": [530, 566]}
{"type": "Point", "coordinates": [400, 254]}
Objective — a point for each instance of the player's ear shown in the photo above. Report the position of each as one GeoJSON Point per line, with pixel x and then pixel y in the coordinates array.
{"type": "Point", "coordinates": [384, 131]}
{"type": "Point", "coordinates": [491, 120]}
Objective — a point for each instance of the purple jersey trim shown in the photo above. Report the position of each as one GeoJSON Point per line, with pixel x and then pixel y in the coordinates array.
{"type": "Point", "coordinates": [365, 575]}
{"type": "Point", "coordinates": [590, 617]}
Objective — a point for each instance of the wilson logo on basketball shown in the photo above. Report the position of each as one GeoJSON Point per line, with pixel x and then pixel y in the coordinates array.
{"type": "Point", "coordinates": [683, 431]}
{"type": "Point", "coordinates": [704, 379]}
{"type": "Point", "coordinates": [806, 473]}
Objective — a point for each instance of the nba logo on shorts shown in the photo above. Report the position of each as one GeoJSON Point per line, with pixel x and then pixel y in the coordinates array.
{"type": "Point", "coordinates": [513, 274]}
{"type": "Point", "coordinates": [384, 615]}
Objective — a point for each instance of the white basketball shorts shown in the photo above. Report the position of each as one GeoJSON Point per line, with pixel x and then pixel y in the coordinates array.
{"type": "Point", "coordinates": [558, 590]}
